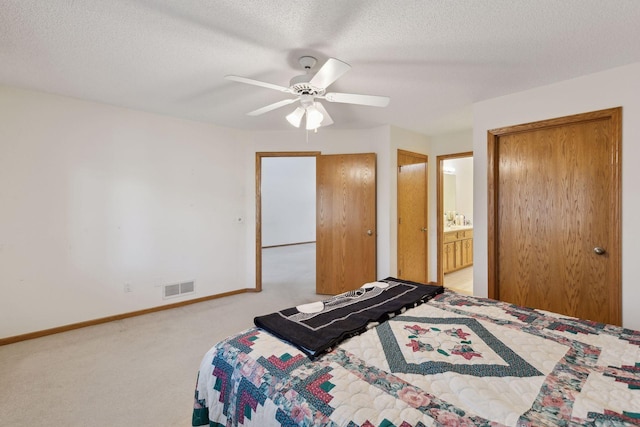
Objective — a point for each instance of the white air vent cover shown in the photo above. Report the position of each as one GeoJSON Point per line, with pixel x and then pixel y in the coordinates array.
{"type": "Point", "coordinates": [187, 287]}
{"type": "Point", "coordinates": [171, 290]}
{"type": "Point", "coordinates": [178, 289]}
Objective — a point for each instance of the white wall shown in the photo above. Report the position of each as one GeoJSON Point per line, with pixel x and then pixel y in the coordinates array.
{"type": "Point", "coordinates": [96, 197]}
{"type": "Point", "coordinates": [288, 200]}
{"type": "Point", "coordinates": [611, 88]}
{"type": "Point", "coordinates": [93, 197]}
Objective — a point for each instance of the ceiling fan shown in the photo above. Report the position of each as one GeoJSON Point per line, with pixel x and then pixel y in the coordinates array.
{"type": "Point", "coordinates": [308, 88]}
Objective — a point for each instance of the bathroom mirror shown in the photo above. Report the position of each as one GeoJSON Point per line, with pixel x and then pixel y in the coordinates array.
{"type": "Point", "coordinates": [449, 193]}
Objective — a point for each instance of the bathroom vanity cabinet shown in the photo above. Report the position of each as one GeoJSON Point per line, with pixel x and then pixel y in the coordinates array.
{"type": "Point", "coordinates": [457, 249]}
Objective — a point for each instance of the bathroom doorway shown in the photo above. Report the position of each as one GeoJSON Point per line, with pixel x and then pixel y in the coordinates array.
{"type": "Point", "coordinates": [455, 221]}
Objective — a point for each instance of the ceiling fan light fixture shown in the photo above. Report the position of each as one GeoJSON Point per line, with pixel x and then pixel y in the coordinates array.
{"type": "Point", "coordinates": [296, 117]}
{"type": "Point", "coordinates": [308, 88]}
{"type": "Point", "coordinates": [314, 118]}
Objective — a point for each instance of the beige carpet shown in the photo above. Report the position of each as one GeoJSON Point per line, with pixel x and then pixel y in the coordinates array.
{"type": "Point", "coordinates": [139, 371]}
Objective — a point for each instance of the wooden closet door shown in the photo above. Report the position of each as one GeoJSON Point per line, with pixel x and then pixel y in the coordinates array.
{"type": "Point", "coordinates": [554, 215]}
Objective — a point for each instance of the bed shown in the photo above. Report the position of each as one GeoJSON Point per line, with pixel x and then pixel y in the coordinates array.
{"type": "Point", "coordinates": [445, 360]}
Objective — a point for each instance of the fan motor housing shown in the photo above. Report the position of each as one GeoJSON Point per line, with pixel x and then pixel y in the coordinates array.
{"type": "Point", "coordinates": [300, 85]}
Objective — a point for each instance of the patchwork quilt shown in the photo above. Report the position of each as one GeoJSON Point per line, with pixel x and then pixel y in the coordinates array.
{"type": "Point", "coordinates": [454, 361]}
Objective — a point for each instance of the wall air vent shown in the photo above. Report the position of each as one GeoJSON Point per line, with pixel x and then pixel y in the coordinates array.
{"type": "Point", "coordinates": [178, 289]}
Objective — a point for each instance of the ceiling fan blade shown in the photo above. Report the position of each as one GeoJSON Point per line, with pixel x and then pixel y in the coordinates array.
{"type": "Point", "coordinates": [271, 107]}
{"type": "Point", "coordinates": [352, 98]}
{"type": "Point", "coordinates": [258, 83]}
{"type": "Point", "coordinates": [326, 121]}
{"type": "Point", "coordinates": [329, 73]}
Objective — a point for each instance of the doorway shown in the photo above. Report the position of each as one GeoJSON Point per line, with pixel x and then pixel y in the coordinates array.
{"type": "Point", "coordinates": [455, 221]}
{"type": "Point", "coordinates": [271, 234]}
{"type": "Point", "coordinates": [345, 220]}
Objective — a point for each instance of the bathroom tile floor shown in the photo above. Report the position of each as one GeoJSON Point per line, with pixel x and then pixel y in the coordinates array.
{"type": "Point", "coordinates": [460, 281]}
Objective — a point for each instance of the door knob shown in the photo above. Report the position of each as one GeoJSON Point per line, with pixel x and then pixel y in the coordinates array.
{"type": "Point", "coordinates": [598, 250]}
{"type": "Point", "coordinates": [369, 232]}
{"type": "Point", "coordinates": [423, 229]}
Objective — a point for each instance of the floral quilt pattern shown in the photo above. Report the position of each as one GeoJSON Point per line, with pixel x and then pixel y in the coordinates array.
{"type": "Point", "coordinates": [457, 360]}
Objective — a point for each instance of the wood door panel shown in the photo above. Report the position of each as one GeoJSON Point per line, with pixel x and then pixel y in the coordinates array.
{"type": "Point", "coordinates": [458, 253]}
{"type": "Point", "coordinates": [467, 252]}
{"type": "Point", "coordinates": [345, 222]}
{"type": "Point", "coordinates": [412, 217]}
{"type": "Point", "coordinates": [449, 257]}
{"type": "Point", "coordinates": [557, 199]}
{"type": "Point", "coordinates": [523, 223]}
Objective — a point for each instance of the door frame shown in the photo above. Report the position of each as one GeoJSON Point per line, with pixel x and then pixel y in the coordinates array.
{"type": "Point", "coordinates": [259, 156]}
{"type": "Point", "coordinates": [426, 220]}
{"type": "Point", "coordinates": [440, 206]}
{"type": "Point", "coordinates": [493, 162]}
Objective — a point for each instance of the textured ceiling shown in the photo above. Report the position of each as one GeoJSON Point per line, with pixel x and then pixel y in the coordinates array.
{"type": "Point", "coordinates": [433, 58]}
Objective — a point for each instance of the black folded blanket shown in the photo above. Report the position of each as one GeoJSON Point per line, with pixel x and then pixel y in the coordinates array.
{"type": "Point", "coordinates": [318, 327]}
